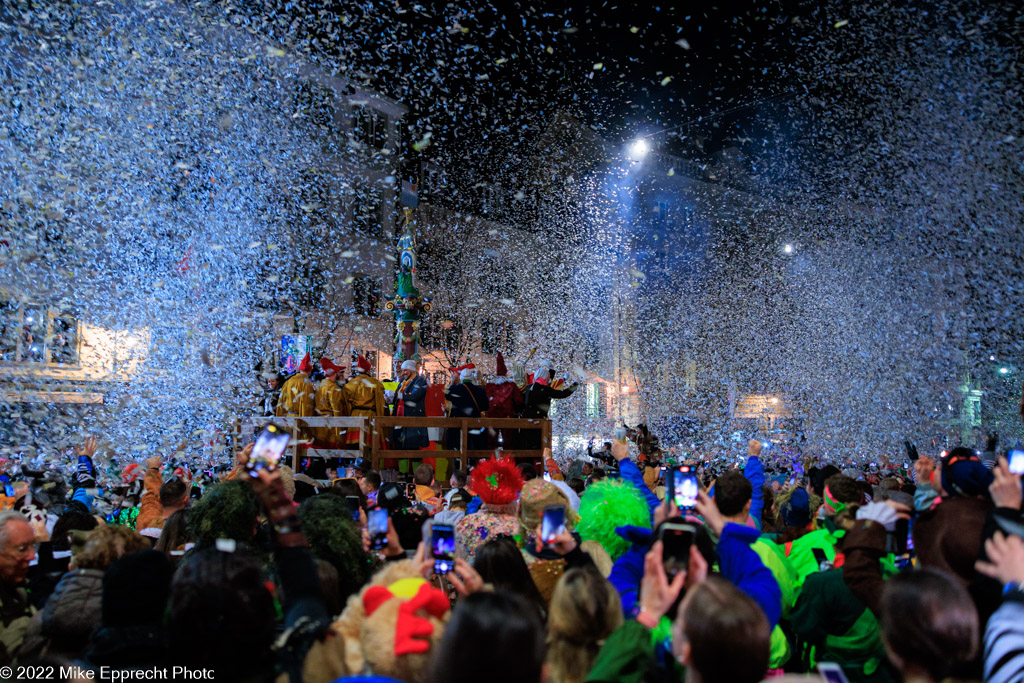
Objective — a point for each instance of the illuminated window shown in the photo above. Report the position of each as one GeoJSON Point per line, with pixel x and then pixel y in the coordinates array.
{"type": "Point", "coordinates": [593, 401]}
{"type": "Point", "coordinates": [35, 333]}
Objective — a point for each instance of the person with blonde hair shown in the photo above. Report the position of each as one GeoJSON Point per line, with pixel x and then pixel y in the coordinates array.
{"type": "Point", "coordinates": [585, 609]}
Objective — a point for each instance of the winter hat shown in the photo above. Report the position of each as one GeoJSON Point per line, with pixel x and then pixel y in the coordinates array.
{"type": "Point", "coordinates": [796, 511]}
{"type": "Point", "coordinates": [963, 474]}
{"type": "Point", "coordinates": [409, 365]}
{"type": "Point", "coordinates": [362, 365]}
{"type": "Point", "coordinates": [500, 370]}
{"type": "Point", "coordinates": [496, 481]}
{"type": "Point", "coordinates": [329, 367]}
{"type": "Point", "coordinates": [306, 365]}
{"type": "Point", "coordinates": [468, 373]}
{"type": "Point", "coordinates": [538, 494]}
{"type": "Point", "coordinates": [135, 589]}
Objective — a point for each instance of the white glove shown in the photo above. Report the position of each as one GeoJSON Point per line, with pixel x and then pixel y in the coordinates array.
{"type": "Point", "coordinates": [879, 512]}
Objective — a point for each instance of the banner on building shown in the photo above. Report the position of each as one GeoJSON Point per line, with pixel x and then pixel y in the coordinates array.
{"type": "Point", "coordinates": [293, 348]}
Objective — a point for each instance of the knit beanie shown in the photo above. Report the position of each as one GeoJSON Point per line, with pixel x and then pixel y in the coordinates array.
{"type": "Point", "coordinates": [135, 589]}
{"type": "Point", "coordinates": [796, 511]}
{"type": "Point", "coordinates": [966, 478]}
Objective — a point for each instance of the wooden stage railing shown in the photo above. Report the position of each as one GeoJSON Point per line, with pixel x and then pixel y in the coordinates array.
{"type": "Point", "coordinates": [372, 431]}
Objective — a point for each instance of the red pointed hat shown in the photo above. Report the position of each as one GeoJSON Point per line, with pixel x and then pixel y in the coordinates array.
{"type": "Point", "coordinates": [467, 366]}
{"type": "Point", "coordinates": [500, 370]}
{"type": "Point", "coordinates": [363, 364]}
{"type": "Point", "coordinates": [306, 365]}
{"type": "Point", "coordinates": [329, 367]}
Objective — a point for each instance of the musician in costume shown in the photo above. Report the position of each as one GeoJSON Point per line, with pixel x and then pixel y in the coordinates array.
{"type": "Point", "coordinates": [468, 400]}
{"type": "Point", "coordinates": [411, 401]}
{"type": "Point", "coordinates": [537, 399]}
{"type": "Point", "coordinates": [362, 396]}
{"type": "Point", "coordinates": [329, 403]}
{"type": "Point", "coordinates": [504, 399]}
{"type": "Point", "coordinates": [298, 395]}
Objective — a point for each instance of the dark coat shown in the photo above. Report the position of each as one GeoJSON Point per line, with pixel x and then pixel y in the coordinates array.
{"type": "Point", "coordinates": [468, 400]}
{"type": "Point", "coordinates": [414, 404]}
{"type": "Point", "coordinates": [66, 624]}
{"type": "Point", "coordinates": [537, 398]}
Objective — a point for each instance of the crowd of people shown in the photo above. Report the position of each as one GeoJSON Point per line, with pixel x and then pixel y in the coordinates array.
{"type": "Point", "coordinates": [790, 568]}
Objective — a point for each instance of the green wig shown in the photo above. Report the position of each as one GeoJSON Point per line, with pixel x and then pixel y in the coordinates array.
{"type": "Point", "coordinates": [607, 504]}
{"type": "Point", "coordinates": [326, 520]}
{"type": "Point", "coordinates": [226, 510]}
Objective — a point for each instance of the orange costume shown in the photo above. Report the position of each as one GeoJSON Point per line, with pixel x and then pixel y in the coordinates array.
{"type": "Point", "coordinates": [362, 396]}
{"type": "Point", "coordinates": [329, 403]}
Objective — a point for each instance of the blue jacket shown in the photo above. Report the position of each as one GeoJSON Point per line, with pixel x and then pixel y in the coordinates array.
{"type": "Point", "coordinates": [628, 570]}
{"type": "Point", "coordinates": [754, 472]}
{"type": "Point", "coordinates": [628, 471]}
{"type": "Point", "coordinates": [737, 562]}
{"type": "Point", "coordinates": [741, 565]}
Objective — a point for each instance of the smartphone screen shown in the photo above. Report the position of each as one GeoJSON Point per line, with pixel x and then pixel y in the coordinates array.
{"type": "Point", "coordinates": [832, 673]}
{"type": "Point", "coordinates": [553, 523]}
{"type": "Point", "coordinates": [353, 505]}
{"type": "Point", "coordinates": [1016, 458]}
{"type": "Point", "coordinates": [377, 527]}
{"type": "Point", "coordinates": [442, 547]}
{"type": "Point", "coordinates": [270, 446]}
{"type": "Point", "coordinates": [686, 488]}
{"type": "Point", "coordinates": [669, 473]}
{"type": "Point", "coordinates": [9, 490]}
{"type": "Point", "coordinates": [676, 540]}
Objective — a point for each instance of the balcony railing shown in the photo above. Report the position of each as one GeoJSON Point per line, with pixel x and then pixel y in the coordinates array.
{"type": "Point", "coordinates": [374, 430]}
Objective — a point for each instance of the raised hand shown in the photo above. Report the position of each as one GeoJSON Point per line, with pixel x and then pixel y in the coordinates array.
{"type": "Point", "coordinates": [1005, 487]}
{"type": "Point", "coordinates": [1006, 559]}
{"type": "Point", "coordinates": [88, 449]}
{"type": "Point", "coordinates": [656, 593]}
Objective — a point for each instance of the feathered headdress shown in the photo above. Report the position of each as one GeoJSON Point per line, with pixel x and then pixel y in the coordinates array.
{"type": "Point", "coordinates": [496, 481]}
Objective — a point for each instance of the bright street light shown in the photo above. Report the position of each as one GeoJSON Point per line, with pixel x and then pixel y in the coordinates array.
{"type": "Point", "coordinates": [788, 249]}
{"type": "Point", "coordinates": [638, 149]}
{"type": "Point", "coordinates": [1003, 371]}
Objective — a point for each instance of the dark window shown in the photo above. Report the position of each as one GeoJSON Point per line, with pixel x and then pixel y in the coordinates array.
{"type": "Point", "coordinates": [370, 127]}
{"type": "Point", "coordinates": [316, 102]}
{"type": "Point", "coordinates": [366, 296]}
{"type": "Point", "coordinates": [366, 214]}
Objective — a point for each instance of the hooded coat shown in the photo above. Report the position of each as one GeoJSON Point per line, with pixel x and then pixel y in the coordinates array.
{"type": "Point", "coordinates": [73, 612]}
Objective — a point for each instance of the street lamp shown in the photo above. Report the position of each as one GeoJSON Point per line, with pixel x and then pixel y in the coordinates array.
{"type": "Point", "coordinates": [1004, 371]}
{"type": "Point", "coordinates": [788, 249]}
{"type": "Point", "coordinates": [639, 149]}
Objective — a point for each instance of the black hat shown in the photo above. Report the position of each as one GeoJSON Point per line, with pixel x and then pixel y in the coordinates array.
{"type": "Point", "coordinates": [362, 464]}
{"type": "Point", "coordinates": [136, 588]}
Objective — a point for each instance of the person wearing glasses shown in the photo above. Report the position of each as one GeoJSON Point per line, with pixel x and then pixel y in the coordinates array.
{"type": "Point", "coordinates": [17, 550]}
